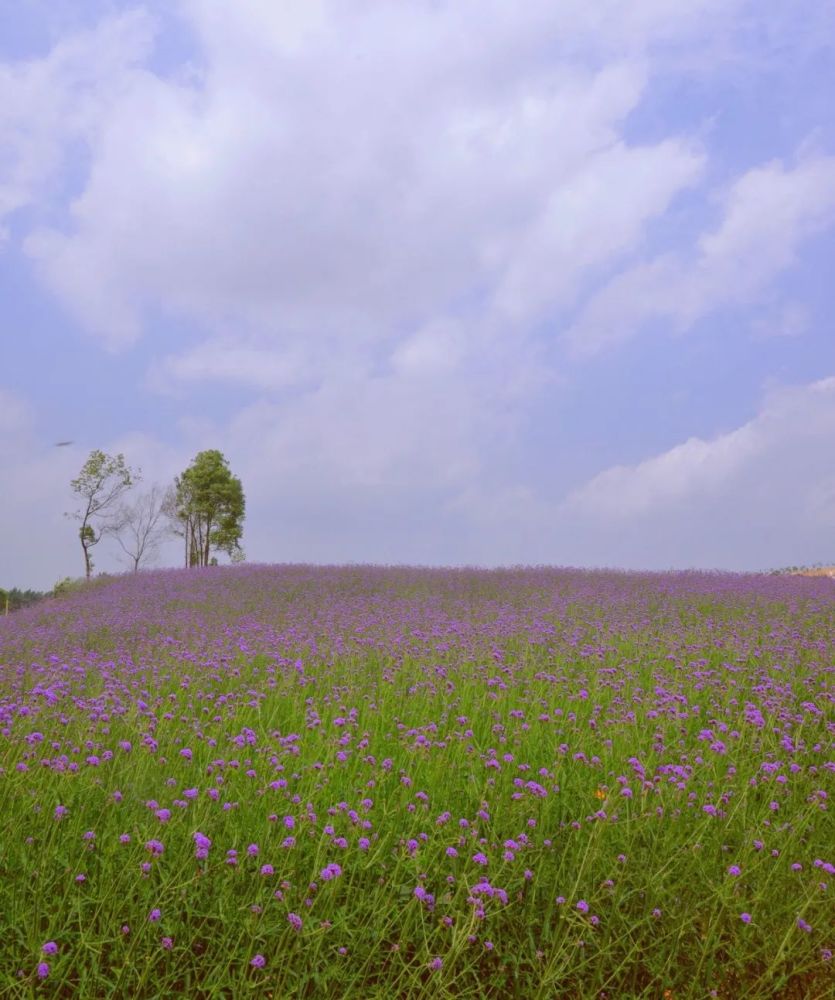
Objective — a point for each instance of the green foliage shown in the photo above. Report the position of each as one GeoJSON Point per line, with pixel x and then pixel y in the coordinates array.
{"type": "Point", "coordinates": [15, 599]}
{"type": "Point", "coordinates": [67, 586]}
{"type": "Point", "coordinates": [101, 484]}
{"type": "Point", "coordinates": [209, 508]}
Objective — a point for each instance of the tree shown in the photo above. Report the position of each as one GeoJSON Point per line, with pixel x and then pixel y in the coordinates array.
{"type": "Point", "coordinates": [103, 481]}
{"type": "Point", "coordinates": [15, 598]}
{"type": "Point", "coordinates": [208, 508]}
{"type": "Point", "coordinates": [140, 527]}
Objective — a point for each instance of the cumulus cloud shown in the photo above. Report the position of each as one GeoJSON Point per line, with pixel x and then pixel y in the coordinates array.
{"type": "Point", "coordinates": [767, 214]}
{"type": "Point", "coordinates": [48, 104]}
{"type": "Point", "coordinates": [359, 172]}
{"type": "Point", "coordinates": [763, 492]}
{"type": "Point", "coordinates": [360, 230]}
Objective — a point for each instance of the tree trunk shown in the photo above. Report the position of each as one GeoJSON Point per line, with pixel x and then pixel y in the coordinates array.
{"type": "Point", "coordinates": [85, 548]}
{"type": "Point", "coordinates": [206, 542]}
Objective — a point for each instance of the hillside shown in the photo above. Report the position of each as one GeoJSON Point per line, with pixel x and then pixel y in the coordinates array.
{"type": "Point", "coordinates": [390, 782]}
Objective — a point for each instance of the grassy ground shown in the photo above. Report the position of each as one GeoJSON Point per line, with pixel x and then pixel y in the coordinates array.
{"type": "Point", "coordinates": [288, 782]}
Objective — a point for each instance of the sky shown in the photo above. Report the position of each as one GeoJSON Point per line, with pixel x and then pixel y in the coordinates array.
{"type": "Point", "coordinates": [447, 282]}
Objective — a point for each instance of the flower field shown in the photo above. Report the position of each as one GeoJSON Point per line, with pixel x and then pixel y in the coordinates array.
{"type": "Point", "coordinates": [367, 783]}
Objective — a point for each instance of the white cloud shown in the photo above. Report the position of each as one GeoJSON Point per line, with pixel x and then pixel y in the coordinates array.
{"type": "Point", "coordinates": [369, 213]}
{"type": "Point", "coordinates": [435, 349]}
{"type": "Point", "coordinates": [358, 172]}
{"type": "Point", "coordinates": [768, 213]}
{"type": "Point", "coordinates": [255, 365]}
{"type": "Point", "coordinates": [686, 472]}
{"type": "Point", "coordinates": [47, 104]}
{"type": "Point", "coordinates": [761, 495]}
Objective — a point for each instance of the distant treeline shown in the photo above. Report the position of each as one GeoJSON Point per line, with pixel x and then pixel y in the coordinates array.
{"type": "Point", "coordinates": [15, 599]}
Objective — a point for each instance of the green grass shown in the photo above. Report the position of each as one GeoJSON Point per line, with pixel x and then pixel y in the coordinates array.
{"type": "Point", "coordinates": [664, 914]}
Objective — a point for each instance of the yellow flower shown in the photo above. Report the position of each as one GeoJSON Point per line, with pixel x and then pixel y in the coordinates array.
{"type": "Point", "coordinates": [600, 794]}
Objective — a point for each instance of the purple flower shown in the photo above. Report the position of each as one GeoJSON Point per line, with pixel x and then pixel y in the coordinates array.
{"type": "Point", "coordinates": [201, 846]}
{"type": "Point", "coordinates": [745, 918]}
{"type": "Point", "coordinates": [734, 870]}
{"type": "Point", "coordinates": [50, 948]}
{"type": "Point", "coordinates": [60, 812]}
{"type": "Point", "coordinates": [803, 926]}
{"type": "Point", "coordinates": [43, 970]}
{"type": "Point", "coordinates": [155, 915]}
{"type": "Point", "coordinates": [167, 943]}
{"type": "Point", "coordinates": [258, 961]}
{"type": "Point", "coordinates": [480, 858]}
{"type": "Point", "coordinates": [583, 906]}
{"type": "Point", "coordinates": [253, 850]}
{"type": "Point", "coordinates": [295, 921]}
{"type": "Point", "coordinates": [155, 847]}
{"type": "Point", "coordinates": [436, 964]}
{"type": "Point", "coordinates": [330, 871]}
{"type": "Point", "coordinates": [267, 870]}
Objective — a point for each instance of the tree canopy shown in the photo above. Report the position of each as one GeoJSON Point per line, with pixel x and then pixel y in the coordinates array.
{"type": "Point", "coordinates": [208, 508]}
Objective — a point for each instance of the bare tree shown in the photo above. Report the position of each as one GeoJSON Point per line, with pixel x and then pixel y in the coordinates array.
{"type": "Point", "coordinates": [142, 525]}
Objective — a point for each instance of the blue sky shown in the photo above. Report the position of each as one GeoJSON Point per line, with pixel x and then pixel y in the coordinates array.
{"type": "Point", "coordinates": [447, 282]}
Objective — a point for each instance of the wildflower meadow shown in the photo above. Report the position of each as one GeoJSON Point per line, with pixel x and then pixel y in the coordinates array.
{"type": "Point", "coordinates": [366, 782]}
